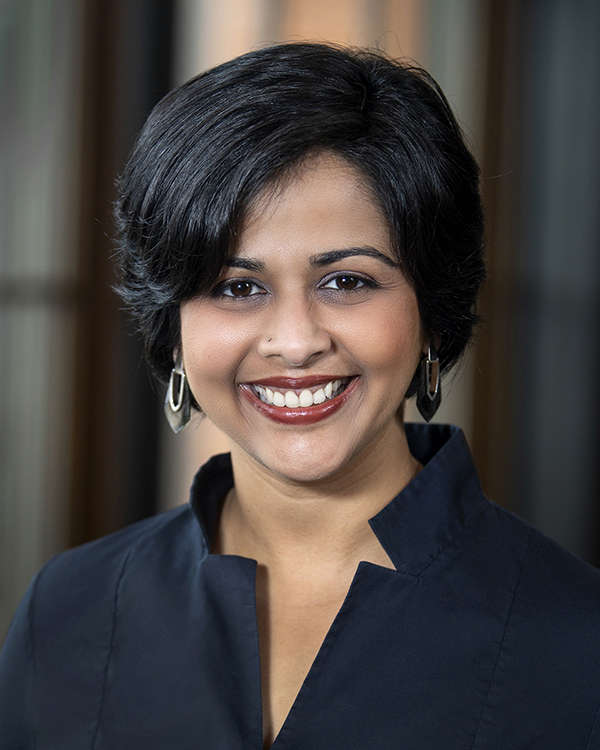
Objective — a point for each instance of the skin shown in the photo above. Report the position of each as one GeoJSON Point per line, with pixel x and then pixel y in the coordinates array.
{"type": "Point", "coordinates": [287, 307]}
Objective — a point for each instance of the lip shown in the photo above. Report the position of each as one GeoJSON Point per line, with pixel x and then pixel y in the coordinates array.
{"type": "Point", "coordinates": [301, 415]}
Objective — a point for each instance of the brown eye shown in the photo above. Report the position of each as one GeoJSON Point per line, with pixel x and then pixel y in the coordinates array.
{"type": "Point", "coordinates": [240, 288]}
{"type": "Point", "coordinates": [347, 283]}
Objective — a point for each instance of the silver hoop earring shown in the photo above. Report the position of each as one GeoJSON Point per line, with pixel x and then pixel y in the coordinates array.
{"type": "Point", "coordinates": [429, 395]}
{"type": "Point", "coordinates": [178, 400]}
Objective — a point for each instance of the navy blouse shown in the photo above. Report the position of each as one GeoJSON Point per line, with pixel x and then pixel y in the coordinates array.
{"type": "Point", "coordinates": [487, 635]}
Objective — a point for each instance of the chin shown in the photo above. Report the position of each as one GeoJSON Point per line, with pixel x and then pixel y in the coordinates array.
{"type": "Point", "coordinates": [304, 463]}
{"type": "Point", "coordinates": [299, 474]}
{"type": "Point", "coordinates": [303, 475]}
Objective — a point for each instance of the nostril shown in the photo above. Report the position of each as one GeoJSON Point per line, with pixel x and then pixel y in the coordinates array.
{"type": "Point", "coordinates": [295, 343]}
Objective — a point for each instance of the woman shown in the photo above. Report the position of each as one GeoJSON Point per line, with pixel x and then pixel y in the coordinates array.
{"type": "Point", "coordinates": [301, 237]}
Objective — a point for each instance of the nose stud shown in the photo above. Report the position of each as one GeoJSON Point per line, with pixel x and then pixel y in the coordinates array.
{"type": "Point", "coordinates": [269, 339]}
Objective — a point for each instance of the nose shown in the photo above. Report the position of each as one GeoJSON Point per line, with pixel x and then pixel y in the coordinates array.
{"type": "Point", "coordinates": [294, 333]}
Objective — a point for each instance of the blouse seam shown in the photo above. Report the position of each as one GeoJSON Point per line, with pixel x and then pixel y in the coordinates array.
{"type": "Point", "coordinates": [110, 646]}
{"type": "Point", "coordinates": [454, 539]}
{"type": "Point", "coordinates": [588, 746]}
{"type": "Point", "coordinates": [30, 617]}
{"type": "Point", "coordinates": [500, 649]}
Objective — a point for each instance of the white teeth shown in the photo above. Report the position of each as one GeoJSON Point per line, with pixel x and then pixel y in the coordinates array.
{"type": "Point", "coordinates": [292, 400]}
{"type": "Point", "coordinates": [321, 395]}
{"type": "Point", "coordinates": [306, 398]}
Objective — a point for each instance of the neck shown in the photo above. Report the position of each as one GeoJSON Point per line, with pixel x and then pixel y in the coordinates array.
{"type": "Point", "coordinates": [277, 521]}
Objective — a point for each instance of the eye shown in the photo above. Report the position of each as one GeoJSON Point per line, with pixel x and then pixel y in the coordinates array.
{"type": "Point", "coordinates": [241, 288]}
{"type": "Point", "coordinates": [347, 282]}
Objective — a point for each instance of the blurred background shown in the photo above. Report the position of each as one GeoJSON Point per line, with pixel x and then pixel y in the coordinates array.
{"type": "Point", "coordinates": [84, 448]}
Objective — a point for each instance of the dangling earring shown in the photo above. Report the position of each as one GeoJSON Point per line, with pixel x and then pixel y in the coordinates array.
{"type": "Point", "coordinates": [429, 395]}
{"type": "Point", "coordinates": [178, 410]}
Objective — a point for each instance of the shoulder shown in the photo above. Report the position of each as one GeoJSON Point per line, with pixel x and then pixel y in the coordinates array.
{"type": "Point", "coordinates": [99, 559]}
{"type": "Point", "coordinates": [555, 601]}
{"type": "Point", "coordinates": [547, 566]}
{"type": "Point", "coordinates": [62, 635]}
{"type": "Point", "coordinates": [71, 604]}
{"type": "Point", "coordinates": [548, 659]}
{"type": "Point", "coordinates": [157, 530]}
{"type": "Point", "coordinates": [87, 570]}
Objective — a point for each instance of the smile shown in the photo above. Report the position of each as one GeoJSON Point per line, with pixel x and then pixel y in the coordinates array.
{"type": "Point", "coordinates": [295, 399]}
{"type": "Point", "coordinates": [299, 401]}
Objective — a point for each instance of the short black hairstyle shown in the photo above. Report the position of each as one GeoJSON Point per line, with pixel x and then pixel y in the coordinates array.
{"type": "Point", "coordinates": [212, 146]}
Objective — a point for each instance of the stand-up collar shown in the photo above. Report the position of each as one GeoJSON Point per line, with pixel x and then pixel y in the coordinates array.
{"type": "Point", "coordinates": [439, 502]}
{"type": "Point", "coordinates": [210, 486]}
{"type": "Point", "coordinates": [416, 525]}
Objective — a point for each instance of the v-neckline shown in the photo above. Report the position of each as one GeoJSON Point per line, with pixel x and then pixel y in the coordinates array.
{"type": "Point", "coordinates": [320, 657]}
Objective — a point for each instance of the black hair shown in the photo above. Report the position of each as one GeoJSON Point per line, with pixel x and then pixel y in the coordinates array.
{"type": "Point", "coordinates": [212, 146]}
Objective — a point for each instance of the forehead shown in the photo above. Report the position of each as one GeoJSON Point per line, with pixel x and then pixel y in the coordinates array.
{"type": "Point", "coordinates": [324, 204]}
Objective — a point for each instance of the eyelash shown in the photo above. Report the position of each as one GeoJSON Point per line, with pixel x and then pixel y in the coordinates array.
{"type": "Point", "coordinates": [225, 289]}
{"type": "Point", "coordinates": [220, 290]}
{"type": "Point", "coordinates": [364, 281]}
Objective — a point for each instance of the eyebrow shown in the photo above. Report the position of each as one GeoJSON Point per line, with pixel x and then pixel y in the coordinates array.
{"type": "Point", "coordinates": [317, 261]}
{"type": "Point", "coordinates": [326, 259]}
{"type": "Point", "coordinates": [249, 264]}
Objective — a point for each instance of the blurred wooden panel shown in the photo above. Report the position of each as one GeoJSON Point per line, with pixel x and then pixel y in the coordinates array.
{"type": "Point", "coordinates": [209, 33]}
{"type": "Point", "coordinates": [494, 355]}
{"type": "Point", "coordinates": [404, 28]}
{"type": "Point", "coordinates": [394, 26]}
{"type": "Point", "coordinates": [346, 21]}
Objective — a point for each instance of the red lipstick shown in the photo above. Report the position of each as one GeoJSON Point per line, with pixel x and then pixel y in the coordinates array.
{"type": "Point", "coordinates": [301, 415]}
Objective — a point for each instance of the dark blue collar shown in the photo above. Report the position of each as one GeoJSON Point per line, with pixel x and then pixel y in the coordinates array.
{"type": "Point", "coordinates": [416, 525]}
{"type": "Point", "coordinates": [439, 502]}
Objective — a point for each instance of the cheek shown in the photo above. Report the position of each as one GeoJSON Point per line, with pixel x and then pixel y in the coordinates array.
{"type": "Point", "coordinates": [212, 344]}
{"type": "Point", "coordinates": [388, 341]}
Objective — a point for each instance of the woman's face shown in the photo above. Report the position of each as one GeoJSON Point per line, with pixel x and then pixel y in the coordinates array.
{"type": "Point", "coordinates": [304, 349]}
